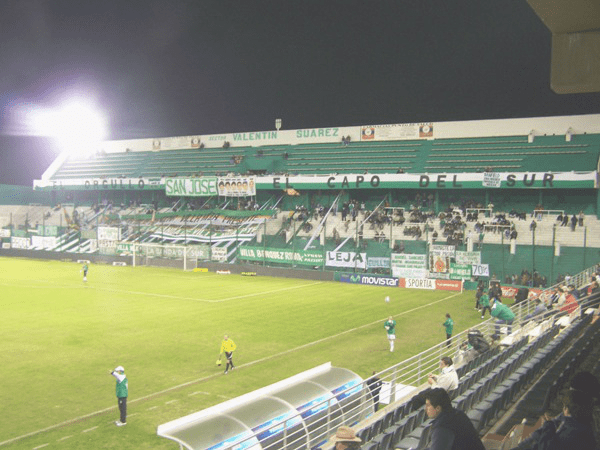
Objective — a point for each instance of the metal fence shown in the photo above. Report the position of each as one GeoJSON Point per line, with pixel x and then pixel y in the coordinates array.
{"type": "Point", "coordinates": [405, 379]}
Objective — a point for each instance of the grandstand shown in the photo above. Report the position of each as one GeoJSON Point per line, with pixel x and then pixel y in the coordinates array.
{"type": "Point", "coordinates": [443, 204]}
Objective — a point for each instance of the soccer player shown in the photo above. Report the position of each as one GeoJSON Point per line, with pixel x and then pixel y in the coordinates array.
{"type": "Point", "coordinates": [390, 327]}
{"type": "Point", "coordinates": [228, 346]}
{"type": "Point", "coordinates": [122, 391]}
{"type": "Point", "coordinates": [84, 269]}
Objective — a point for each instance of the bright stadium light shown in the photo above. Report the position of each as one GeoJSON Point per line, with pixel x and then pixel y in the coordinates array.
{"type": "Point", "coordinates": [77, 126]}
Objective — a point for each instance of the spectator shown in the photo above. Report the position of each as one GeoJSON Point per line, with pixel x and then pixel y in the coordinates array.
{"type": "Point", "coordinates": [374, 384]}
{"type": "Point", "coordinates": [540, 309]}
{"type": "Point", "coordinates": [572, 429]}
{"type": "Point", "coordinates": [345, 438]}
{"type": "Point", "coordinates": [451, 429]}
{"type": "Point", "coordinates": [570, 304]}
{"type": "Point", "coordinates": [504, 316]}
{"type": "Point", "coordinates": [448, 379]}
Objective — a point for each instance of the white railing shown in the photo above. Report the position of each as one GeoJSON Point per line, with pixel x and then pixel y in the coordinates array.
{"type": "Point", "coordinates": [407, 378]}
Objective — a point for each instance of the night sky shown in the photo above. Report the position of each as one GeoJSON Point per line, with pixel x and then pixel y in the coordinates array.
{"type": "Point", "coordinates": [172, 68]}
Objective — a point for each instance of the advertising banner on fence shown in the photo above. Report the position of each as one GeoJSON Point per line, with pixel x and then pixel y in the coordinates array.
{"type": "Point", "coordinates": [218, 253]}
{"type": "Point", "coordinates": [371, 280]}
{"type": "Point", "coordinates": [109, 234]}
{"type": "Point", "coordinates": [191, 187]}
{"type": "Point", "coordinates": [448, 285]}
{"type": "Point", "coordinates": [418, 283]}
{"type": "Point", "coordinates": [20, 242]}
{"type": "Point", "coordinates": [439, 258]}
{"type": "Point", "coordinates": [237, 186]}
{"type": "Point", "coordinates": [347, 259]}
{"type": "Point", "coordinates": [277, 255]}
{"type": "Point", "coordinates": [469, 258]}
{"type": "Point", "coordinates": [377, 262]}
{"type": "Point", "coordinates": [4, 232]}
{"type": "Point", "coordinates": [460, 271]}
{"type": "Point", "coordinates": [43, 242]}
{"type": "Point", "coordinates": [409, 266]}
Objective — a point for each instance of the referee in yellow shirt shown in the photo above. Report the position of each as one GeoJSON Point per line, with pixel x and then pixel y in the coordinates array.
{"type": "Point", "coordinates": [228, 346]}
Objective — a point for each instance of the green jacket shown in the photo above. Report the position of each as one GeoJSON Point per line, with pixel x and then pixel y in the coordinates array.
{"type": "Point", "coordinates": [502, 312]}
{"type": "Point", "coordinates": [484, 300]}
{"type": "Point", "coordinates": [449, 324]}
{"type": "Point", "coordinates": [122, 384]}
{"type": "Point", "coordinates": [391, 326]}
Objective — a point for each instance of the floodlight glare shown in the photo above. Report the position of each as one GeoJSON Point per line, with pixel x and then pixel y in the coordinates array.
{"type": "Point", "coordinates": [77, 126]}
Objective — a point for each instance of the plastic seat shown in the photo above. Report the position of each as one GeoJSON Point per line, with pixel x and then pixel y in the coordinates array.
{"type": "Point", "coordinates": [384, 439]}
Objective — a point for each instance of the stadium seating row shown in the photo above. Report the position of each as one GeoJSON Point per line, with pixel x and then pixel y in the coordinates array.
{"type": "Point", "coordinates": [485, 390]}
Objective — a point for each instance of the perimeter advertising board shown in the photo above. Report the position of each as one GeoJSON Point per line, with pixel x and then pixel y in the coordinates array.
{"type": "Point", "coordinates": [370, 279]}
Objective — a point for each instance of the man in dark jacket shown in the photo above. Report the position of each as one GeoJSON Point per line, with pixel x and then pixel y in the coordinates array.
{"type": "Point", "coordinates": [451, 428]}
{"type": "Point", "coordinates": [570, 430]}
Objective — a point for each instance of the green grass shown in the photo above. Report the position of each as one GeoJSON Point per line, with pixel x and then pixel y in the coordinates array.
{"type": "Point", "coordinates": [61, 337]}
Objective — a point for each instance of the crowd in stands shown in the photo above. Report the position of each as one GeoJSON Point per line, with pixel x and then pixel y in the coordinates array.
{"type": "Point", "coordinates": [527, 279]}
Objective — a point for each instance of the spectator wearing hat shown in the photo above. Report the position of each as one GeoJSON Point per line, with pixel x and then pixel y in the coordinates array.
{"type": "Point", "coordinates": [345, 438]}
{"type": "Point", "coordinates": [122, 392]}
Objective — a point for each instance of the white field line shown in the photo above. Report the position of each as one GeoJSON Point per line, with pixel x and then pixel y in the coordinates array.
{"type": "Point", "coordinates": [171, 297]}
{"type": "Point", "coordinates": [251, 363]}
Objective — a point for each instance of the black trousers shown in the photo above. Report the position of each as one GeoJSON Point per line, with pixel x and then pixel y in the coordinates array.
{"type": "Point", "coordinates": [123, 408]}
{"type": "Point", "coordinates": [229, 356]}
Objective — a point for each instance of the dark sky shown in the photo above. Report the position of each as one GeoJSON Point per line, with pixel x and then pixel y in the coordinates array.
{"type": "Point", "coordinates": [171, 68]}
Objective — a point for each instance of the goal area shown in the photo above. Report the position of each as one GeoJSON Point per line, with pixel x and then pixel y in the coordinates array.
{"type": "Point", "coordinates": [184, 257]}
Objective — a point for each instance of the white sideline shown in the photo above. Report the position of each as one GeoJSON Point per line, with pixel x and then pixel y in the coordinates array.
{"type": "Point", "coordinates": [164, 391]}
{"type": "Point", "coordinates": [150, 294]}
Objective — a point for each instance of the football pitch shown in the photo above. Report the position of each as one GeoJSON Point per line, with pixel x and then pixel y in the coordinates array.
{"type": "Point", "coordinates": [62, 336]}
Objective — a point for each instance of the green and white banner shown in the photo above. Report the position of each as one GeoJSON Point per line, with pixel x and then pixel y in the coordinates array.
{"type": "Point", "coordinates": [406, 265]}
{"type": "Point", "coordinates": [277, 255]}
{"type": "Point", "coordinates": [347, 259]}
{"type": "Point", "coordinates": [191, 187]}
{"type": "Point", "coordinates": [469, 258]}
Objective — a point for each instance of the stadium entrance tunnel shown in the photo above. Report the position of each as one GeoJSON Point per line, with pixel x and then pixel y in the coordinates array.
{"type": "Point", "coordinates": [299, 412]}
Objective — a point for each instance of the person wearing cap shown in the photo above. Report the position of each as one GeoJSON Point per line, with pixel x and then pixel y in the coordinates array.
{"type": "Point", "coordinates": [122, 392]}
{"type": "Point", "coordinates": [345, 438]}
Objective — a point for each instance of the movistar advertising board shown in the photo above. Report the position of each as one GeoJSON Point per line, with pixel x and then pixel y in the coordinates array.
{"type": "Point", "coordinates": [369, 279]}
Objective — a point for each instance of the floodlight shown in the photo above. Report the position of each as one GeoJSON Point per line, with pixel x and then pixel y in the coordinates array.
{"type": "Point", "coordinates": [77, 126]}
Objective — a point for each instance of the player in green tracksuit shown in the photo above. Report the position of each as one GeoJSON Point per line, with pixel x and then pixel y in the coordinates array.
{"type": "Point", "coordinates": [390, 327]}
{"type": "Point", "coordinates": [484, 303]}
{"type": "Point", "coordinates": [228, 347]}
{"type": "Point", "coordinates": [84, 269]}
{"type": "Point", "coordinates": [122, 393]}
{"type": "Point", "coordinates": [449, 324]}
